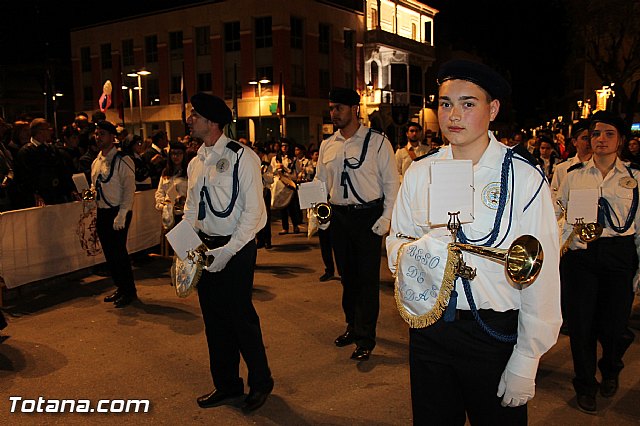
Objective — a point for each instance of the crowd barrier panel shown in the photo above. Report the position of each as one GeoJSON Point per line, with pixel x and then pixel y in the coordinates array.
{"type": "Point", "coordinates": [44, 242]}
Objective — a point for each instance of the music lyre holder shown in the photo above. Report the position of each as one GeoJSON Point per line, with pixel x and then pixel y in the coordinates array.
{"type": "Point", "coordinates": [461, 270]}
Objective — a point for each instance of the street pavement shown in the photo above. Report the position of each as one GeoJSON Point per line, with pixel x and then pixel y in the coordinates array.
{"type": "Point", "coordinates": [64, 342]}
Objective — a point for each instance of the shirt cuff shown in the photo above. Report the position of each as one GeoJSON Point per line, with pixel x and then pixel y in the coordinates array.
{"type": "Point", "coordinates": [522, 365]}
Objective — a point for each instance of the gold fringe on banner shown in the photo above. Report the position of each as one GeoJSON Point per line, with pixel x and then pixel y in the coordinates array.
{"type": "Point", "coordinates": [448, 280]}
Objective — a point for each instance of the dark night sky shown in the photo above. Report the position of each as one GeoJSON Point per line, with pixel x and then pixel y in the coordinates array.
{"type": "Point", "coordinates": [528, 46]}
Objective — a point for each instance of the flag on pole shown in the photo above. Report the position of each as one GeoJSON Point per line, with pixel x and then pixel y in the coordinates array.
{"type": "Point", "coordinates": [184, 101]}
{"type": "Point", "coordinates": [280, 109]}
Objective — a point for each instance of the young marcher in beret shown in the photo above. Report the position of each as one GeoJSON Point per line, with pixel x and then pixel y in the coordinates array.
{"type": "Point", "coordinates": [601, 275]}
{"type": "Point", "coordinates": [476, 356]}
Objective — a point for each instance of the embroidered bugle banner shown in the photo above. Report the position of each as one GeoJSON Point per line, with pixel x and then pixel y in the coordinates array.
{"type": "Point", "coordinates": [425, 276]}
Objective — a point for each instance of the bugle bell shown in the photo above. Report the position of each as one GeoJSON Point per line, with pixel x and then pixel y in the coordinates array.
{"type": "Point", "coordinates": [322, 211]}
{"type": "Point", "coordinates": [522, 260]}
{"type": "Point", "coordinates": [88, 194]}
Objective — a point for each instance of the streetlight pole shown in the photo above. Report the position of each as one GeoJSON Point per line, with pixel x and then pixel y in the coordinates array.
{"type": "Point", "coordinates": [263, 80]}
{"type": "Point", "coordinates": [55, 113]}
{"type": "Point", "coordinates": [138, 75]}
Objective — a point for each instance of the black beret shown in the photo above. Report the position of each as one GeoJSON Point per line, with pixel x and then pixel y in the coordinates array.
{"type": "Point", "coordinates": [212, 108]}
{"type": "Point", "coordinates": [609, 118]}
{"type": "Point", "coordinates": [579, 126]}
{"type": "Point", "coordinates": [341, 95]}
{"type": "Point", "coordinates": [477, 73]}
{"type": "Point", "coordinates": [108, 126]}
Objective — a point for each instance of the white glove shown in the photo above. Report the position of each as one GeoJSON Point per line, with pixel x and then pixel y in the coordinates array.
{"type": "Point", "coordinates": [118, 222]}
{"type": "Point", "coordinates": [517, 390]}
{"type": "Point", "coordinates": [381, 226]}
{"type": "Point", "coordinates": [221, 257]}
{"type": "Point", "coordinates": [324, 226]}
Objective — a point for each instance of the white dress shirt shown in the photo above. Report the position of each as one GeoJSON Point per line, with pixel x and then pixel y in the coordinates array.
{"type": "Point", "coordinates": [613, 187]}
{"type": "Point", "coordinates": [213, 167]}
{"type": "Point", "coordinates": [539, 304]}
{"type": "Point", "coordinates": [119, 190]}
{"type": "Point", "coordinates": [170, 188]}
{"type": "Point", "coordinates": [403, 158]}
{"type": "Point", "coordinates": [560, 173]}
{"type": "Point", "coordinates": [377, 177]}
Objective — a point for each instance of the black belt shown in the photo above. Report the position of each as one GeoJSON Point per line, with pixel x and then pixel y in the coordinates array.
{"type": "Point", "coordinates": [213, 241]}
{"type": "Point", "coordinates": [485, 314]}
{"type": "Point", "coordinates": [350, 207]}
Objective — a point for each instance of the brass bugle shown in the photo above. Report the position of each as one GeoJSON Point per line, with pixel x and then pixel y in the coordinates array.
{"type": "Point", "coordinates": [522, 260]}
{"type": "Point", "coordinates": [587, 232]}
{"type": "Point", "coordinates": [88, 194]}
{"type": "Point", "coordinates": [323, 212]}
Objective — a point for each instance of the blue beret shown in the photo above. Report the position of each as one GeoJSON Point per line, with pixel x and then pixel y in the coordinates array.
{"type": "Point", "coordinates": [108, 126]}
{"type": "Point", "coordinates": [609, 118]}
{"type": "Point", "coordinates": [341, 95]}
{"type": "Point", "coordinates": [477, 73]}
{"type": "Point", "coordinates": [212, 108]}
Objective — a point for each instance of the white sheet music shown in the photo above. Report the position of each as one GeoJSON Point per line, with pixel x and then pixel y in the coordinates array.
{"type": "Point", "coordinates": [583, 203]}
{"type": "Point", "coordinates": [451, 190]}
{"type": "Point", "coordinates": [183, 238]}
{"type": "Point", "coordinates": [80, 180]}
{"type": "Point", "coordinates": [312, 193]}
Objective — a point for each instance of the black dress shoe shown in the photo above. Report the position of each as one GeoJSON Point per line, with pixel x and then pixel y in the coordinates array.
{"type": "Point", "coordinates": [216, 398]}
{"type": "Point", "coordinates": [112, 297]}
{"type": "Point", "coordinates": [361, 354]}
{"type": "Point", "coordinates": [345, 339]}
{"type": "Point", "coordinates": [326, 277]}
{"type": "Point", "coordinates": [587, 404]}
{"type": "Point", "coordinates": [267, 245]}
{"type": "Point", "coordinates": [609, 387]}
{"type": "Point", "coordinates": [124, 300]}
{"type": "Point", "coordinates": [255, 400]}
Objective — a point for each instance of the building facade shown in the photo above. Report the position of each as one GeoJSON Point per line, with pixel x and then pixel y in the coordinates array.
{"type": "Point", "coordinates": [297, 50]}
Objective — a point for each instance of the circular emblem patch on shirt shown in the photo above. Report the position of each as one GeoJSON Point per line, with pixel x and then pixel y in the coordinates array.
{"type": "Point", "coordinates": [628, 182]}
{"type": "Point", "coordinates": [491, 195]}
{"type": "Point", "coordinates": [222, 165]}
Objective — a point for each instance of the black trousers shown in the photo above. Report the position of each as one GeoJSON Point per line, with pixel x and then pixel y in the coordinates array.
{"type": "Point", "coordinates": [114, 247]}
{"type": "Point", "coordinates": [293, 211]}
{"type": "Point", "coordinates": [455, 369]}
{"type": "Point", "coordinates": [324, 235]}
{"type": "Point", "coordinates": [600, 297]}
{"type": "Point", "coordinates": [264, 235]}
{"type": "Point", "coordinates": [357, 249]}
{"type": "Point", "coordinates": [232, 325]}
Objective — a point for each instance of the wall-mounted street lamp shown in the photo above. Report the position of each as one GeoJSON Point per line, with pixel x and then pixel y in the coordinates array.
{"type": "Point", "coordinates": [263, 80]}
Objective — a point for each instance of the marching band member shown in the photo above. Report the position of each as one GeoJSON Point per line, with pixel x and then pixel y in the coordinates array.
{"type": "Point", "coordinates": [225, 205]}
{"type": "Point", "coordinates": [600, 275]}
{"type": "Point", "coordinates": [113, 180]}
{"type": "Point", "coordinates": [480, 358]}
{"type": "Point", "coordinates": [579, 139]}
{"type": "Point", "coordinates": [412, 150]}
{"type": "Point", "coordinates": [358, 168]}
